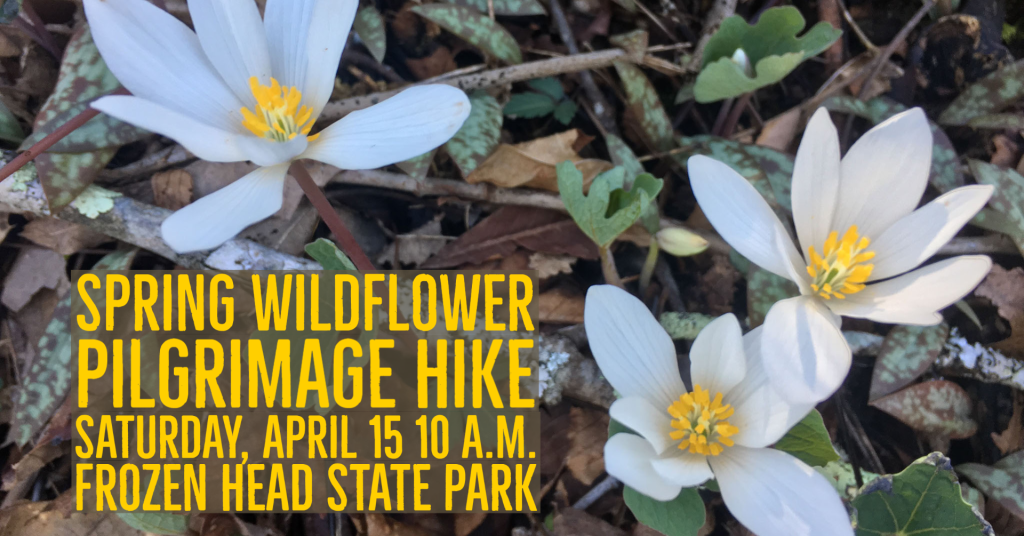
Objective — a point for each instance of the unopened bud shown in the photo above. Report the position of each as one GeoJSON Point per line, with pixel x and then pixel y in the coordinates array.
{"type": "Point", "coordinates": [680, 242]}
{"type": "Point", "coordinates": [741, 59]}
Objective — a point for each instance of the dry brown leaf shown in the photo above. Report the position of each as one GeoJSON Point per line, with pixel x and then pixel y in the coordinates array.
{"type": "Point", "coordinates": [62, 236]}
{"type": "Point", "coordinates": [39, 519]}
{"type": "Point", "coordinates": [416, 247]}
{"type": "Point", "coordinates": [779, 131]}
{"type": "Point", "coordinates": [719, 285]}
{"type": "Point", "coordinates": [573, 522]}
{"type": "Point", "coordinates": [1005, 288]}
{"type": "Point", "coordinates": [381, 525]}
{"type": "Point", "coordinates": [439, 61]}
{"type": "Point", "coordinates": [1012, 439]}
{"type": "Point", "coordinates": [532, 164]}
{"type": "Point", "coordinates": [172, 189]}
{"type": "Point", "coordinates": [27, 467]}
{"type": "Point", "coordinates": [551, 265]}
{"type": "Point", "coordinates": [5, 225]}
{"type": "Point", "coordinates": [588, 431]}
{"type": "Point", "coordinates": [1006, 152]}
{"type": "Point", "coordinates": [208, 177]}
{"type": "Point", "coordinates": [286, 235]}
{"type": "Point", "coordinates": [34, 269]}
{"type": "Point", "coordinates": [561, 306]}
{"type": "Point", "coordinates": [467, 523]}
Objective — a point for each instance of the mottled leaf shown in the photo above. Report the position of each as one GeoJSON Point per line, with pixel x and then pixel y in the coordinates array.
{"type": "Point", "coordinates": [328, 255]}
{"type": "Point", "coordinates": [988, 95]}
{"type": "Point", "coordinates": [156, 522]}
{"type": "Point", "coordinates": [606, 211]}
{"type": "Point", "coordinates": [1007, 202]}
{"type": "Point", "coordinates": [809, 441]}
{"type": "Point", "coordinates": [770, 44]}
{"type": "Point", "coordinates": [937, 407]}
{"type": "Point", "coordinates": [768, 170]}
{"type": "Point", "coordinates": [623, 156]}
{"type": "Point", "coordinates": [529, 105]}
{"type": "Point", "coordinates": [66, 176]}
{"type": "Point", "coordinates": [998, 121]}
{"type": "Point", "coordinates": [842, 477]}
{"type": "Point", "coordinates": [9, 10]}
{"type": "Point", "coordinates": [684, 326]}
{"type": "Point", "coordinates": [1003, 481]}
{"type": "Point", "coordinates": [906, 353]}
{"type": "Point", "coordinates": [477, 29]}
{"type": "Point", "coordinates": [10, 130]}
{"type": "Point", "coordinates": [417, 167]}
{"type": "Point", "coordinates": [369, 26]}
{"type": "Point", "coordinates": [505, 7]}
{"type": "Point", "coordinates": [635, 43]}
{"type": "Point", "coordinates": [479, 135]}
{"type": "Point", "coordinates": [924, 498]}
{"type": "Point", "coordinates": [643, 102]}
{"type": "Point", "coordinates": [47, 382]}
{"type": "Point", "coordinates": [763, 290]}
{"type": "Point", "coordinates": [945, 172]}
{"type": "Point", "coordinates": [682, 516]}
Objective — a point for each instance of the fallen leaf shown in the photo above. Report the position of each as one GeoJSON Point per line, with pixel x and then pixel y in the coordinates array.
{"type": "Point", "coordinates": [37, 519]}
{"type": "Point", "coordinates": [551, 265]}
{"type": "Point", "coordinates": [937, 407]}
{"type": "Point", "coordinates": [439, 61]}
{"type": "Point", "coordinates": [285, 235]}
{"type": "Point", "coordinates": [561, 306]}
{"type": "Point", "coordinates": [415, 247]}
{"type": "Point", "coordinates": [1002, 481]}
{"type": "Point", "coordinates": [467, 523]}
{"type": "Point", "coordinates": [33, 270]}
{"type": "Point", "coordinates": [172, 189]}
{"type": "Point", "coordinates": [719, 285]}
{"type": "Point", "coordinates": [588, 430]}
{"type": "Point", "coordinates": [511, 228]}
{"type": "Point", "coordinates": [61, 236]}
{"type": "Point", "coordinates": [532, 164]}
{"type": "Point", "coordinates": [573, 522]}
{"type": "Point", "coordinates": [1005, 288]}
{"type": "Point", "coordinates": [208, 177]}
{"type": "Point", "coordinates": [1006, 153]}
{"type": "Point", "coordinates": [779, 131]}
{"type": "Point", "coordinates": [1012, 439]}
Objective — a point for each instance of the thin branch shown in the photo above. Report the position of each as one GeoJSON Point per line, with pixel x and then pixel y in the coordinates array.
{"type": "Point", "coordinates": [887, 52]}
{"type": "Point", "coordinates": [603, 111]}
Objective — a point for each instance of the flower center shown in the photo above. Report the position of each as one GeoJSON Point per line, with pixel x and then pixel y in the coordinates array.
{"type": "Point", "coordinates": [842, 269]}
{"type": "Point", "coordinates": [699, 423]}
{"type": "Point", "coordinates": [278, 115]}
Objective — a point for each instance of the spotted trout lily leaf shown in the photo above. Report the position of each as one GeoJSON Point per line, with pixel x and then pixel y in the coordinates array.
{"type": "Point", "coordinates": [860, 239]}
{"type": "Point", "coordinates": [241, 87]}
{"type": "Point", "coordinates": [721, 428]}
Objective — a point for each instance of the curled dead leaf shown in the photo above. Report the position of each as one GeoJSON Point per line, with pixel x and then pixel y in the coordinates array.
{"type": "Point", "coordinates": [532, 164]}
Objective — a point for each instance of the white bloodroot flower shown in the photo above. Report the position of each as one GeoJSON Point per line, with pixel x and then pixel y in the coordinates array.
{"type": "Point", "coordinates": [244, 88]}
{"type": "Point", "coordinates": [722, 428]}
{"type": "Point", "coordinates": [861, 239]}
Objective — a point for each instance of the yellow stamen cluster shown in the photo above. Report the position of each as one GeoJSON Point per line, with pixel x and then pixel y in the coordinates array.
{"type": "Point", "coordinates": [278, 115]}
{"type": "Point", "coordinates": [699, 422]}
{"type": "Point", "coordinates": [842, 269]}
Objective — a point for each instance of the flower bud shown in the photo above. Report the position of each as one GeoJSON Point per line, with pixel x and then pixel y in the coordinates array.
{"type": "Point", "coordinates": [680, 242]}
{"type": "Point", "coordinates": [741, 59]}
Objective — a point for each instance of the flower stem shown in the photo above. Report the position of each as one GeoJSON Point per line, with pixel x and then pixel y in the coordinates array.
{"type": "Point", "coordinates": [648, 270]}
{"type": "Point", "coordinates": [50, 140]}
{"type": "Point", "coordinates": [611, 274]}
{"type": "Point", "coordinates": [323, 206]}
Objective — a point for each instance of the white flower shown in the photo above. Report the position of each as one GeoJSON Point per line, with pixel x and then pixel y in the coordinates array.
{"type": "Point", "coordinates": [721, 429]}
{"type": "Point", "coordinates": [245, 88]}
{"type": "Point", "coordinates": [857, 226]}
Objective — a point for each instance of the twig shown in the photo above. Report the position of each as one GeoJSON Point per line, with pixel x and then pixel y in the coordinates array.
{"type": "Point", "coordinates": [963, 358]}
{"type": "Point", "coordinates": [603, 111]}
{"type": "Point", "coordinates": [609, 483]}
{"type": "Point", "coordinates": [330, 216]}
{"type": "Point", "coordinates": [49, 141]}
{"type": "Point", "coordinates": [366, 62]}
{"type": "Point", "coordinates": [37, 29]}
{"type": "Point", "coordinates": [491, 78]}
{"type": "Point", "coordinates": [150, 163]}
{"type": "Point", "coordinates": [887, 52]}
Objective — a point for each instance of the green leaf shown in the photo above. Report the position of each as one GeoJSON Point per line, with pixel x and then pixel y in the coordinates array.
{"type": "Point", "coordinates": [1007, 200]}
{"type": "Point", "coordinates": [923, 499]}
{"type": "Point", "coordinates": [565, 111]}
{"type": "Point", "coordinates": [156, 522]}
{"type": "Point", "coordinates": [842, 477]}
{"type": "Point", "coordinates": [10, 129]}
{"type": "Point", "coordinates": [1003, 481]}
{"type": "Point", "coordinates": [945, 172]}
{"type": "Point", "coordinates": [592, 211]}
{"type": "Point", "coordinates": [329, 256]}
{"type": "Point", "coordinates": [505, 7]}
{"type": "Point", "coordinates": [763, 290]}
{"type": "Point", "coordinates": [548, 86]}
{"type": "Point", "coordinates": [529, 105]}
{"type": "Point", "coordinates": [479, 135]}
{"type": "Point", "coordinates": [684, 326]}
{"type": "Point", "coordinates": [998, 121]}
{"type": "Point", "coordinates": [809, 441]}
{"type": "Point", "coordinates": [938, 407]}
{"type": "Point", "coordinates": [9, 10]}
{"type": "Point", "coordinates": [477, 29]}
{"type": "Point", "coordinates": [988, 95]}
{"type": "Point", "coordinates": [47, 382]}
{"type": "Point", "coordinates": [770, 44]}
{"type": "Point", "coordinates": [643, 102]}
{"type": "Point", "coordinates": [418, 166]}
{"type": "Point", "coordinates": [622, 155]}
{"type": "Point", "coordinates": [682, 516]}
{"type": "Point", "coordinates": [906, 353]}
{"type": "Point", "coordinates": [369, 26]}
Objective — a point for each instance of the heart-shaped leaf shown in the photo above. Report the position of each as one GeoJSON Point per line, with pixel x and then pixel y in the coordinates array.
{"type": "Point", "coordinates": [607, 210]}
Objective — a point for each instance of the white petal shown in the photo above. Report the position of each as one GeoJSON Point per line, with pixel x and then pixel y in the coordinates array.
{"type": "Point", "coordinates": [762, 415]}
{"type": "Point", "coordinates": [685, 469]}
{"type": "Point", "coordinates": [717, 362]}
{"type": "Point", "coordinates": [287, 24]}
{"type": "Point", "coordinates": [741, 215]}
{"type": "Point", "coordinates": [915, 298]}
{"type": "Point", "coordinates": [332, 21]}
{"type": "Point", "coordinates": [816, 181]}
{"type": "Point", "coordinates": [264, 152]}
{"type": "Point", "coordinates": [630, 346]}
{"type": "Point", "coordinates": [650, 422]}
{"type": "Point", "coordinates": [884, 174]}
{"type": "Point", "coordinates": [918, 235]}
{"type": "Point", "coordinates": [206, 142]}
{"type": "Point", "coordinates": [805, 354]}
{"type": "Point", "coordinates": [232, 35]}
{"type": "Point", "coordinates": [216, 218]}
{"type": "Point", "coordinates": [775, 494]}
{"type": "Point", "coordinates": [628, 457]}
{"type": "Point", "coordinates": [158, 58]}
{"type": "Point", "coordinates": [406, 125]}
